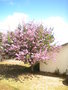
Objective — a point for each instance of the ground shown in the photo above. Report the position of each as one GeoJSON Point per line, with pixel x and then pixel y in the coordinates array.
{"type": "Point", "coordinates": [14, 75]}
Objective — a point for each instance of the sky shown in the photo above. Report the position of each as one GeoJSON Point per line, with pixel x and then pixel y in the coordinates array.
{"type": "Point", "coordinates": [52, 13]}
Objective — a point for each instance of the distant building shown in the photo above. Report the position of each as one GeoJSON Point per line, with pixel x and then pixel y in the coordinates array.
{"type": "Point", "coordinates": [60, 64]}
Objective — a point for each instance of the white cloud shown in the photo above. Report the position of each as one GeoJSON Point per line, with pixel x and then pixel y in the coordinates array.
{"type": "Point", "coordinates": [59, 24]}
{"type": "Point", "coordinates": [60, 28]}
{"type": "Point", "coordinates": [12, 21]}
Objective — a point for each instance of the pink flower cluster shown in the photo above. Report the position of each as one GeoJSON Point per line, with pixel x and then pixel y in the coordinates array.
{"type": "Point", "coordinates": [30, 44]}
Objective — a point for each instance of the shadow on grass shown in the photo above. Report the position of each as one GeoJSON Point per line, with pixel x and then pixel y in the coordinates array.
{"type": "Point", "coordinates": [13, 71]}
{"type": "Point", "coordinates": [50, 74]}
{"type": "Point", "coordinates": [65, 82]}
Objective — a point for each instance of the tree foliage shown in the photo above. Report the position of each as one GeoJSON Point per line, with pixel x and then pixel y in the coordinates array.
{"type": "Point", "coordinates": [31, 43]}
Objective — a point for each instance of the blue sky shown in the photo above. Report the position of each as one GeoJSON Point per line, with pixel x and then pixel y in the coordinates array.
{"type": "Point", "coordinates": [36, 9]}
{"type": "Point", "coordinates": [52, 13]}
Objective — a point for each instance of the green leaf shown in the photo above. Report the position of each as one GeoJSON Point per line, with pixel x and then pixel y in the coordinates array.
{"type": "Point", "coordinates": [27, 56]}
{"type": "Point", "coordinates": [9, 39]}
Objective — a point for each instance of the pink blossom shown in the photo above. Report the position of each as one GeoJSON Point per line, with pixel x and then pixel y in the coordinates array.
{"type": "Point", "coordinates": [31, 43]}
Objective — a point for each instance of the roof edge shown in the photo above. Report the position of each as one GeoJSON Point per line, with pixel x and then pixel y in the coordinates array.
{"type": "Point", "coordinates": [64, 44]}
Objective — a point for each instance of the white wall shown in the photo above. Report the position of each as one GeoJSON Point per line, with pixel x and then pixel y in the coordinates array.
{"type": "Point", "coordinates": [61, 62]}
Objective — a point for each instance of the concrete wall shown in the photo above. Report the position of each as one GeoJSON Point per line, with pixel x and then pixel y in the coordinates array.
{"type": "Point", "coordinates": [60, 64]}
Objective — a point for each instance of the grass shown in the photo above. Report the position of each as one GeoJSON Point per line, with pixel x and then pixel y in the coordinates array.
{"type": "Point", "coordinates": [14, 75]}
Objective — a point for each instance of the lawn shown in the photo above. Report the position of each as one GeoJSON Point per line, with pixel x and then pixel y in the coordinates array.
{"type": "Point", "coordinates": [14, 75]}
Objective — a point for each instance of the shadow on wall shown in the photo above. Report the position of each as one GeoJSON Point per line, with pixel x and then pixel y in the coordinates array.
{"type": "Point", "coordinates": [65, 82]}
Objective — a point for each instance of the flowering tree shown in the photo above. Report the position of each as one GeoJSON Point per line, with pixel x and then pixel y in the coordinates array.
{"type": "Point", "coordinates": [10, 44]}
{"type": "Point", "coordinates": [0, 46]}
{"type": "Point", "coordinates": [31, 43]}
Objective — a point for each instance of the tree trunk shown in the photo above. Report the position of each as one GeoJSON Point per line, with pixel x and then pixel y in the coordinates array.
{"type": "Point", "coordinates": [35, 67]}
{"type": "Point", "coordinates": [32, 68]}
